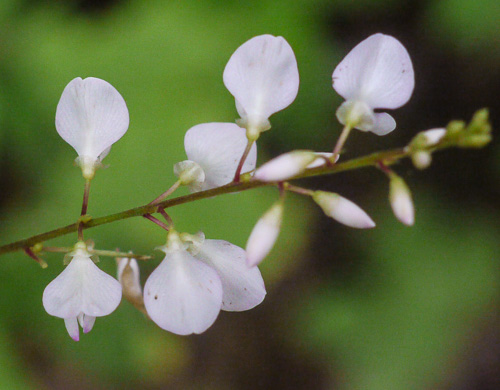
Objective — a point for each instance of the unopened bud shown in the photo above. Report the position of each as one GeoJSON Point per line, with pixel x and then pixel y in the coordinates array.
{"type": "Point", "coordinates": [264, 235]}
{"type": "Point", "coordinates": [128, 276]}
{"type": "Point", "coordinates": [401, 201]}
{"type": "Point", "coordinates": [343, 210]}
{"type": "Point", "coordinates": [285, 166]}
{"type": "Point", "coordinates": [421, 159]}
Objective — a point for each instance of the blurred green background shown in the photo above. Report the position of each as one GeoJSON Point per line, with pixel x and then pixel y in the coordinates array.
{"type": "Point", "coordinates": [391, 308]}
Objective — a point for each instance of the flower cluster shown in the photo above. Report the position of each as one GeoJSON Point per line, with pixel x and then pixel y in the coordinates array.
{"type": "Point", "coordinates": [200, 277]}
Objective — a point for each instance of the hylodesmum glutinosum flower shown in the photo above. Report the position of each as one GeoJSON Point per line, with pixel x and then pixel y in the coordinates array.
{"type": "Point", "coordinates": [81, 293]}
{"type": "Point", "coordinates": [91, 116]}
{"type": "Point", "coordinates": [376, 74]}
{"type": "Point", "coordinates": [197, 279]}
{"type": "Point", "coordinates": [213, 151]}
{"type": "Point", "coordinates": [263, 77]}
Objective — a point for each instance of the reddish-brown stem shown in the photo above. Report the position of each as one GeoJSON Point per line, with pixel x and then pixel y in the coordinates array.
{"type": "Point", "coordinates": [156, 221]}
{"type": "Point", "coordinates": [166, 216]}
{"type": "Point", "coordinates": [85, 205]}
{"type": "Point", "coordinates": [242, 161]}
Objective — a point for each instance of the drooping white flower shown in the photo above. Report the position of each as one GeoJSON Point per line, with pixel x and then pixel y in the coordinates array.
{"type": "Point", "coordinates": [401, 201]}
{"type": "Point", "coordinates": [377, 73]}
{"type": "Point", "coordinates": [264, 234]}
{"type": "Point", "coordinates": [343, 210]}
{"type": "Point", "coordinates": [214, 151]}
{"type": "Point", "coordinates": [186, 292]}
{"type": "Point", "coordinates": [263, 77]}
{"type": "Point", "coordinates": [91, 116]}
{"type": "Point", "coordinates": [285, 166]}
{"type": "Point", "coordinates": [81, 293]}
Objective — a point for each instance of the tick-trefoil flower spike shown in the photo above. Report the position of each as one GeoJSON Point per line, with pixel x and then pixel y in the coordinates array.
{"type": "Point", "coordinates": [401, 201]}
{"type": "Point", "coordinates": [217, 149]}
{"type": "Point", "coordinates": [343, 210]}
{"type": "Point", "coordinates": [81, 293]}
{"type": "Point", "coordinates": [377, 73]}
{"type": "Point", "coordinates": [264, 234]}
{"type": "Point", "coordinates": [91, 116]}
{"type": "Point", "coordinates": [183, 295]}
{"type": "Point", "coordinates": [285, 166]}
{"type": "Point", "coordinates": [263, 77]}
{"type": "Point", "coordinates": [129, 278]}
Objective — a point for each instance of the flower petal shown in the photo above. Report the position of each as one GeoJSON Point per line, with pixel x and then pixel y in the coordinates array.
{"type": "Point", "coordinates": [377, 71]}
{"type": "Point", "coordinates": [72, 328]}
{"type": "Point", "coordinates": [263, 77]}
{"type": "Point", "coordinates": [183, 295]}
{"type": "Point", "coordinates": [82, 287]}
{"type": "Point", "coordinates": [242, 287]}
{"type": "Point", "coordinates": [217, 148]}
{"type": "Point", "coordinates": [384, 124]}
{"type": "Point", "coordinates": [91, 116]}
{"type": "Point", "coordinates": [401, 200]}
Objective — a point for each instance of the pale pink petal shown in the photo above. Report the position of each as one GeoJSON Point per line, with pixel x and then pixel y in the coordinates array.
{"type": "Point", "coordinates": [91, 116]}
{"type": "Point", "coordinates": [242, 287]}
{"type": "Point", "coordinates": [183, 295]}
{"type": "Point", "coordinates": [384, 124]}
{"type": "Point", "coordinates": [263, 77]}
{"type": "Point", "coordinates": [377, 71]}
{"type": "Point", "coordinates": [217, 148]}
{"type": "Point", "coordinates": [72, 328]}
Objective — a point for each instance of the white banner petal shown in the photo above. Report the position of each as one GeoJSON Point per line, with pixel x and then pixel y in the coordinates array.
{"type": "Point", "coordinates": [242, 287]}
{"type": "Point", "coordinates": [183, 295]}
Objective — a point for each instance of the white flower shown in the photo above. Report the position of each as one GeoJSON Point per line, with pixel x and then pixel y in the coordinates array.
{"type": "Point", "coordinates": [81, 293]}
{"type": "Point", "coordinates": [214, 151]}
{"type": "Point", "coordinates": [91, 116]}
{"type": "Point", "coordinates": [285, 166]}
{"type": "Point", "coordinates": [186, 292]}
{"type": "Point", "coordinates": [262, 76]}
{"type": "Point", "coordinates": [377, 73]}
{"type": "Point", "coordinates": [343, 210]}
{"type": "Point", "coordinates": [264, 234]}
{"type": "Point", "coordinates": [401, 201]}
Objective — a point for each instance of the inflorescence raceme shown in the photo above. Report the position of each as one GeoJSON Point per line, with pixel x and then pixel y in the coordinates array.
{"type": "Point", "coordinates": [199, 277]}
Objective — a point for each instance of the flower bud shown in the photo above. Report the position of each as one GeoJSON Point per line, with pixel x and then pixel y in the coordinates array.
{"type": "Point", "coordinates": [401, 201]}
{"type": "Point", "coordinates": [342, 210]}
{"type": "Point", "coordinates": [285, 166]}
{"type": "Point", "coordinates": [434, 136]}
{"type": "Point", "coordinates": [264, 235]}
{"type": "Point", "coordinates": [421, 159]}
{"type": "Point", "coordinates": [128, 276]}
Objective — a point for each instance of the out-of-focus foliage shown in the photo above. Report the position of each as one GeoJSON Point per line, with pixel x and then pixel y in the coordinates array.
{"type": "Point", "coordinates": [392, 308]}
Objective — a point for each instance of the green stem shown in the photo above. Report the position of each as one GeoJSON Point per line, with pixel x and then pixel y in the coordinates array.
{"type": "Point", "coordinates": [388, 157]}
